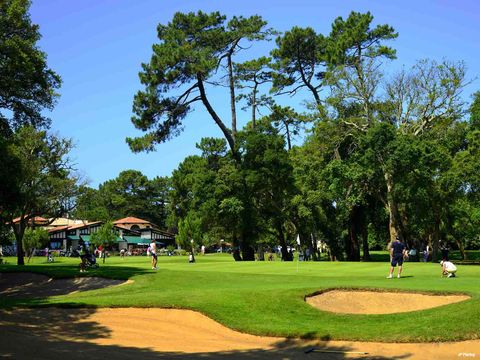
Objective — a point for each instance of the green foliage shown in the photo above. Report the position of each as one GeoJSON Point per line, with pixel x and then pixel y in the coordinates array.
{"type": "Point", "coordinates": [130, 194]}
{"type": "Point", "coordinates": [299, 62]}
{"type": "Point", "coordinates": [35, 239]}
{"type": "Point", "coordinates": [28, 85]}
{"type": "Point", "coordinates": [241, 204]}
{"type": "Point", "coordinates": [45, 183]}
{"type": "Point", "coordinates": [475, 110]}
{"type": "Point", "coordinates": [9, 181]}
{"type": "Point", "coordinates": [251, 75]}
{"type": "Point", "coordinates": [6, 235]}
{"type": "Point", "coordinates": [36, 174]}
{"type": "Point", "coordinates": [189, 232]}
{"type": "Point", "coordinates": [353, 38]}
{"type": "Point", "coordinates": [190, 50]}
{"type": "Point", "coordinates": [385, 156]}
{"type": "Point", "coordinates": [105, 236]}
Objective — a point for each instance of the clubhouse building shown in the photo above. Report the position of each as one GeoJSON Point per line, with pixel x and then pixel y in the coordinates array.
{"type": "Point", "coordinates": [131, 233]}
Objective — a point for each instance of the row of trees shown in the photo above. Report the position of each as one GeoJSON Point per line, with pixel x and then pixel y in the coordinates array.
{"type": "Point", "coordinates": [386, 154]}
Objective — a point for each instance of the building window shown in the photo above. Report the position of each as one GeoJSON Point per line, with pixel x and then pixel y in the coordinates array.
{"type": "Point", "coordinates": [85, 231]}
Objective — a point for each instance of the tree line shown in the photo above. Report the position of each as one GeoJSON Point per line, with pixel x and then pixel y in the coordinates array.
{"type": "Point", "coordinates": [369, 156]}
{"type": "Point", "coordinates": [386, 154]}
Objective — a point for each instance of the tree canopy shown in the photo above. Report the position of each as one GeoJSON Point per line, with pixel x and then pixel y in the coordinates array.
{"type": "Point", "coordinates": [378, 155]}
{"type": "Point", "coordinates": [28, 85]}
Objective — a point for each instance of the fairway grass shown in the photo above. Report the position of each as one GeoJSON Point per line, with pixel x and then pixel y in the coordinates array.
{"type": "Point", "coordinates": [267, 298]}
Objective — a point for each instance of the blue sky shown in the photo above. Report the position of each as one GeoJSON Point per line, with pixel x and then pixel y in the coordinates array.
{"type": "Point", "coordinates": [97, 48]}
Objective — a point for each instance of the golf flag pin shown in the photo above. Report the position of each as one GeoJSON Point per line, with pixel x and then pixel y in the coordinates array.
{"type": "Point", "coordinates": [298, 239]}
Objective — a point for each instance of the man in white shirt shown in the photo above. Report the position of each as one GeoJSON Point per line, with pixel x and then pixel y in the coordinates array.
{"type": "Point", "coordinates": [153, 252]}
{"type": "Point", "coordinates": [448, 268]}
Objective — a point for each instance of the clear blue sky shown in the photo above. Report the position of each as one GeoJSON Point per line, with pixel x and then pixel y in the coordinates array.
{"type": "Point", "coordinates": [97, 48]}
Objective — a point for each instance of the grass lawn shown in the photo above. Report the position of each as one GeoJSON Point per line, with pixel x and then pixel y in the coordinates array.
{"type": "Point", "coordinates": [267, 298]}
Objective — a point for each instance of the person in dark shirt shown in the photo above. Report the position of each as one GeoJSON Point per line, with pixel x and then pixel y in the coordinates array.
{"type": "Point", "coordinates": [444, 249]}
{"type": "Point", "coordinates": [397, 253]}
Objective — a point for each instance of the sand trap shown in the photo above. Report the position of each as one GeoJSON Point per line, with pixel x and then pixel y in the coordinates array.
{"type": "Point", "coordinates": [376, 302]}
{"type": "Point", "coordinates": [28, 285]}
{"type": "Point", "coordinates": [128, 333]}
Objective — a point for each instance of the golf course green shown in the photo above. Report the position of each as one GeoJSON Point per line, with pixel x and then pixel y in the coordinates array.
{"type": "Point", "coordinates": [268, 298]}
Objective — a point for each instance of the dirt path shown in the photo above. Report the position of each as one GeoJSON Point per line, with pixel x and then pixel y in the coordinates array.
{"type": "Point", "coordinates": [375, 302]}
{"type": "Point", "coordinates": [128, 333]}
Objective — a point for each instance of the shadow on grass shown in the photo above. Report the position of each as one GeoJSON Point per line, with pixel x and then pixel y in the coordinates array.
{"type": "Point", "coordinates": [68, 334]}
{"type": "Point", "coordinates": [27, 285]}
{"type": "Point", "coordinates": [68, 270]}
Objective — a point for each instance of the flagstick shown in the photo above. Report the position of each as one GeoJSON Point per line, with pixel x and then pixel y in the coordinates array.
{"type": "Point", "coordinates": [298, 250]}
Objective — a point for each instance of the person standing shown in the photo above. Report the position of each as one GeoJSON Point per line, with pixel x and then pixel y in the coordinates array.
{"type": "Point", "coordinates": [397, 253]}
{"type": "Point", "coordinates": [444, 249]}
{"type": "Point", "coordinates": [153, 252]}
{"type": "Point", "coordinates": [426, 253]}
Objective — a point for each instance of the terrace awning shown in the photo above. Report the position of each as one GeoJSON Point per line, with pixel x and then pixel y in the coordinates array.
{"type": "Point", "coordinates": [137, 240]}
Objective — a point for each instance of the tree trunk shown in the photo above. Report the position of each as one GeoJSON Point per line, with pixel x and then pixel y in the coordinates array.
{"type": "Point", "coordinates": [18, 232]}
{"type": "Point", "coordinates": [30, 254]}
{"type": "Point", "coordinates": [289, 141]}
{"type": "Point", "coordinates": [366, 251]}
{"type": "Point", "coordinates": [352, 245]}
{"type": "Point", "coordinates": [436, 238]}
{"type": "Point", "coordinates": [283, 243]}
{"type": "Point", "coordinates": [236, 247]}
{"type": "Point", "coordinates": [248, 252]}
{"type": "Point", "coordinates": [193, 254]}
{"type": "Point", "coordinates": [312, 244]}
{"type": "Point", "coordinates": [459, 243]}
{"type": "Point", "coordinates": [226, 132]}
{"type": "Point", "coordinates": [254, 106]}
{"type": "Point", "coordinates": [394, 224]}
{"type": "Point", "coordinates": [232, 94]}
{"type": "Point", "coordinates": [461, 248]}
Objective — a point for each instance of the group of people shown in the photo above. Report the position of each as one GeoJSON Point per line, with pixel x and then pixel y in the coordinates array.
{"type": "Point", "coordinates": [399, 252]}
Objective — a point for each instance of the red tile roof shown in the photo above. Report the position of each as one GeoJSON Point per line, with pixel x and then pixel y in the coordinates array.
{"type": "Point", "coordinates": [36, 220]}
{"type": "Point", "coordinates": [131, 220]}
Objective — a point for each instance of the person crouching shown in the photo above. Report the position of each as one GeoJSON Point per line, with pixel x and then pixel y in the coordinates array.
{"type": "Point", "coordinates": [448, 268]}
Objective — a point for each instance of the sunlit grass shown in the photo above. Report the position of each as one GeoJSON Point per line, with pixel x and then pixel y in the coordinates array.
{"type": "Point", "coordinates": [268, 297]}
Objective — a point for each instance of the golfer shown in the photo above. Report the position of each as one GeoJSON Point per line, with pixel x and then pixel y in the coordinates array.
{"type": "Point", "coordinates": [397, 253]}
{"type": "Point", "coordinates": [153, 252]}
{"type": "Point", "coordinates": [448, 268]}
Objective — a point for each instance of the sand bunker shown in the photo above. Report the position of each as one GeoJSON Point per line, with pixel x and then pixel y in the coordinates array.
{"type": "Point", "coordinates": [129, 333]}
{"type": "Point", "coordinates": [374, 302]}
{"type": "Point", "coordinates": [28, 285]}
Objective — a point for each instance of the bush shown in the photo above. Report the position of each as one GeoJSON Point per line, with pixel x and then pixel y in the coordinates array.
{"type": "Point", "coordinates": [180, 252]}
